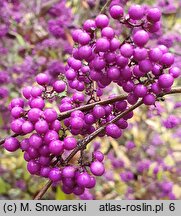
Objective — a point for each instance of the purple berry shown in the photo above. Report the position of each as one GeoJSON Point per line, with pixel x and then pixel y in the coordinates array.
{"type": "Point", "coordinates": [92, 182]}
{"type": "Point", "coordinates": [27, 127]}
{"type": "Point", "coordinates": [108, 32]}
{"type": "Point", "coordinates": [56, 147]}
{"type": "Point", "coordinates": [140, 38]}
{"type": "Point", "coordinates": [17, 102]}
{"type": "Point", "coordinates": [35, 141]}
{"type": "Point", "coordinates": [149, 99]}
{"type": "Point", "coordinates": [165, 81]}
{"type": "Point", "coordinates": [98, 111]}
{"type": "Point", "coordinates": [59, 86]}
{"type": "Point", "coordinates": [34, 114]}
{"type": "Point", "coordinates": [11, 144]}
{"type": "Point", "coordinates": [33, 167]}
{"type": "Point", "coordinates": [68, 172]}
{"type": "Point", "coordinates": [55, 174]}
{"type": "Point", "coordinates": [153, 14]}
{"type": "Point", "coordinates": [98, 156]}
{"type": "Point", "coordinates": [102, 21]}
{"type": "Point", "coordinates": [175, 72]}
{"type": "Point", "coordinates": [167, 59]}
{"type": "Point", "coordinates": [42, 79]}
{"type": "Point", "coordinates": [97, 168]}
{"type": "Point", "coordinates": [113, 130]}
{"type": "Point", "coordinates": [70, 143]}
{"type": "Point", "coordinates": [41, 126]}
{"type": "Point", "coordinates": [83, 179]}
{"type": "Point", "coordinates": [50, 115]}
{"type": "Point", "coordinates": [89, 25]}
{"type": "Point", "coordinates": [136, 12]}
{"type": "Point", "coordinates": [116, 11]}
{"type": "Point", "coordinates": [102, 45]}
{"type": "Point", "coordinates": [126, 50]}
{"type": "Point", "coordinates": [155, 54]}
{"type": "Point", "coordinates": [140, 90]}
{"type": "Point", "coordinates": [78, 190]}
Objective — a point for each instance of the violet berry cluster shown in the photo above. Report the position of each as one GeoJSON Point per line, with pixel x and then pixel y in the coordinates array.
{"type": "Point", "coordinates": [43, 146]}
{"type": "Point", "coordinates": [99, 58]}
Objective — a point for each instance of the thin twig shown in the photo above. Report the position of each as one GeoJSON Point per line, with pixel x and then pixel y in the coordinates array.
{"type": "Point", "coordinates": [43, 190]}
{"type": "Point", "coordinates": [88, 107]}
{"type": "Point", "coordinates": [105, 6]}
{"type": "Point", "coordinates": [95, 91]}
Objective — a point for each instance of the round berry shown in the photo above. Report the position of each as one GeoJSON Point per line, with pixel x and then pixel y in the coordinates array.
{"type": "Point", "coordinates": [55, 174]}
{"type": "Point", "coordinates": [50, 115]}
{"type": "Point", "coordinates": [113, 130]}
{"type": "Point", "coordinates": [140, 38]}
{"type": "Point", "coordinates": [98, 111]}
{"type": "Point", "coordinates": [97, 168]}
{"type": "Point", "coordinates": [70, 143]}
{"type": "Point", "coordinates": [59, 86]}
{"type": "Point", "coordinates": [83, 179]}
{"type": "Point", "coordinates": [116, 11]}
{"type": "Point", "coordinates": [42, 79]}
{"type": "Point", "coordinates": [153, 14]}
{"type": "Point", "coordinates": [175, 72]}
{"type": "Point", "coordinates": [165, 81]}
{"type": "Point", "coordinates": [140, 90]}
{"type": "Point", "coordinates": [126, 50]}
{"type": "Point", "coordinates": [33, 167]}
{"type": "Point", "coordinates": [102, 45]}
{"type": "Point", "coordinates": [11, 144]}
{"type": "Point", "coordinates": [149, 99]}
{"type": "Point", "coordinates": [136, 12]}
{"type": "Point", "coordinates": [56, 147]}
{"type": "Point", "coordinates": [68, 172]}
{"type": "Point", "coordinates": [101, 21]}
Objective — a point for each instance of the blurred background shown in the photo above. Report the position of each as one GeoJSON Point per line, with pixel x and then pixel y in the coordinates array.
{"type": "Point", "coordinates": [35, 36]}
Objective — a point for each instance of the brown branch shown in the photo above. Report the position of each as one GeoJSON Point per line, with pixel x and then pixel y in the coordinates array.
{"type": "Point", "coordinates": [95, 91]}
{"type": "Point", "coordinates": [176, 90]}
{"type": "Point", "coordinates": [105, 6]}
{"type": "Point", "coordinates": [88, 107]}
{"type": "Point", "coordinates": [43, 190]}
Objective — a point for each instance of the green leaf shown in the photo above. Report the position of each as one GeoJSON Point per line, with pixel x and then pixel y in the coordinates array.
{"type": "Point", "coordinates": [61, 95]}
{"type": "Point", "coordinates": [160, 175]}
{"type": "Point", "coordinates": [60, 194]}
{"type": "Point", "coordinates": [3, 186]}
{"type": "Point", "coordinates": [20, 40]}
{"type": "Point", "coordinates": [53, 54]}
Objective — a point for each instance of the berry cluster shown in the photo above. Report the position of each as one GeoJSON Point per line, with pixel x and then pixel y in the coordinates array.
{"type": "Point", "coordinates": [132, 64]}
{"type": "Point", "coordinates": [45, 149]}
{"type": "Point", "coordinates": [98, 59]}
